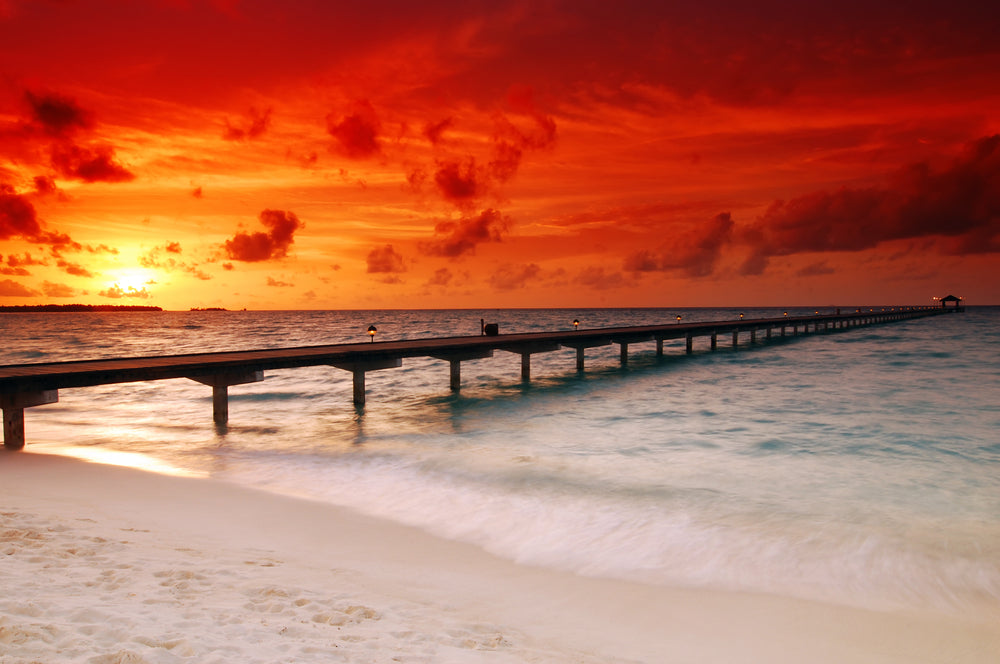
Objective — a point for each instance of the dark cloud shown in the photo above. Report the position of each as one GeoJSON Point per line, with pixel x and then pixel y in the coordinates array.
{"type": "Point", "coordinates": [10, 288]}
{"type": "Point", "coordinates": [506, 161]}
{"type": "Point", "coordinates": [598, 278]}
{"type": "Point", "coordinates": [510, 277]}
{"type": "Point", "coordinates": [459, 183]}
{"type": "Point", "coordinates": [258, 123]}
{"type": "Point", "coordinates": [357, 134]}
{"type": "Point", "coordinates": [441, 277]}
{"type": "Point", "coordinates": [19, 219]}
{"type": "Point", "coordinates": [385, 260]}
{"type": "Point", "coordinates": [816, 270]}
{"type": "Point", "coordinates": [455, 238]}
{"type": "Point", "coordinates": [101, 249]}
{"type": "Point", "coordinates": [693, 252]}
{"type": "Point", "coordinates": [274, 244]}
{"type": "Point", "coordinates": [17, 215]}
{"type": "Point", "coordinates": [172, 247]}
{"type": "Point", "coordinates": [959, 204]}
{"type": "Point", "coordinates": [89, 164]}
{"type": "Point", "coordinates": [45, 184]}
{"type": "Point", "coordinates": [434, 131]}
{"type": "Point", "coordinates": [197, 193]}
{"type": "Point", "coordinates": [57, 115]}
{"type": "Point", "coordinates": [278, 284]}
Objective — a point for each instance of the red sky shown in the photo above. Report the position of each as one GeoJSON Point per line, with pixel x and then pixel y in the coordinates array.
{"type": "Point", "coordinates": [321, 155]}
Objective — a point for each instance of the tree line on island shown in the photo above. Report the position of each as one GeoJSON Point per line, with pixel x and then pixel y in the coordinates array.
{"type": "Point", "coordinates": [55, 308]}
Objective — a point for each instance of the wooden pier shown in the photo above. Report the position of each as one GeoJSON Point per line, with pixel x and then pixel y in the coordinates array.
{"type": "Point", "coordinates": [26, 385]}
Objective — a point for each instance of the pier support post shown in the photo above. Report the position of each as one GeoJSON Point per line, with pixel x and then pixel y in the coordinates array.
{"type": "Point", "coordinates": [689, 343]}
{"type": "Point", "coordinates": [753, 335]}
{"type": "Point", "coordinates": [736, 338]}
{"type": "Point", "coordinates": [360, 368]}
{"type": "Point", "coordinates": [659, 347]}
{"type": "Point", "coordinates": [767, 335]}
{"type": "Point", "coordinates": [455, 359]}
{"type": "Point", "coordinates": [715, 340]}
{"type": "Point", "coordinates": [220, 404]}
{"type": "Point", "coordinates": [525, 350]}
{"type": "Point", "coordinates": [359, 387]}
{"type": "Point", "coordinates": [13, 413]}
{"type": "Point", "coordinates": [220, 382]}
{"type": "Point", "coordinates": [624, 354]}
{"type": "Point", "coordinates": [579, 358]}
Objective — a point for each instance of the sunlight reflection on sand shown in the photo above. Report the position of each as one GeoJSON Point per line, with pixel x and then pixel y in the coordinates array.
{"type": "Point", "coordinates": [117, 458]}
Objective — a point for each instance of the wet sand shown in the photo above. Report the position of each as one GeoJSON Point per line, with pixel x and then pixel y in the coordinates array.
{"type": "Point", "coordinates": [110, 564]}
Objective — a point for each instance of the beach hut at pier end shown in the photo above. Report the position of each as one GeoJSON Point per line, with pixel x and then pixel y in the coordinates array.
{"type": "Point", "coordinates": [951, 298]}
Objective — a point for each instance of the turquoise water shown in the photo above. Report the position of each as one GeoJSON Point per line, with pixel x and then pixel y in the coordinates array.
{"type": "Point", "coordinates": [860, 467]}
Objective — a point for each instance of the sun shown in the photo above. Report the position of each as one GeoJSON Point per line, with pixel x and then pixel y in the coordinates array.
{"type": "Point", "coordinates": [130, 283]}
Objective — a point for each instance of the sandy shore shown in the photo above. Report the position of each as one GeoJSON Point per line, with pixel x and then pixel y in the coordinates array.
{"type": "Point", "coordinates": [107, 564]}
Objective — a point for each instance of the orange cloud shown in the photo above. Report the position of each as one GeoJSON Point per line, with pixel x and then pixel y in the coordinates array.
{"type": "Point", "coordinates": [274, 244]}
{"type": "Point", "coordinates": [693, 252]}
{"type": "Point", "coordinates": [456, 238]}
{"type": "Point", "coordinates": [10, 288]}
{"type": "Point", "coordinates": [385, 260]}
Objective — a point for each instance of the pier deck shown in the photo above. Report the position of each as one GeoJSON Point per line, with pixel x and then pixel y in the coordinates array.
{"type": "Point", "coordinates": [26, 385]}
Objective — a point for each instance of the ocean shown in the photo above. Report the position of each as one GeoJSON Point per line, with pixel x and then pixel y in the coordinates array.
{"type": "Point", "coordinates": [858, 467]}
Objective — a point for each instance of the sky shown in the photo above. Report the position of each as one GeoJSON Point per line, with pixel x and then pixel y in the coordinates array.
{"type": "Point", "coordinates": [318, 154]}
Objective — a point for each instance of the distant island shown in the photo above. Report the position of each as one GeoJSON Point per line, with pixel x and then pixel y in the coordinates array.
{"type": "Point", "coordinates": [208, 309]}
{"type": "Point", "coordinates": [57, 308]}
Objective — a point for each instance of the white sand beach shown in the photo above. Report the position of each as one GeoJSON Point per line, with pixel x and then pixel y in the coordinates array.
{"type": "Point", "coordinates": [109, 564]}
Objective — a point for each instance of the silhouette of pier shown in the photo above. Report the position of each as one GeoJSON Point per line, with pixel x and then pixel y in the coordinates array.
{"type": "Point", "coordinates": [28, 385]}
